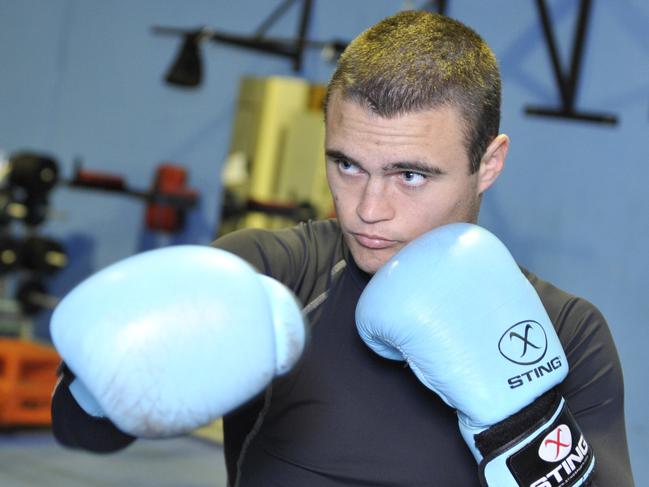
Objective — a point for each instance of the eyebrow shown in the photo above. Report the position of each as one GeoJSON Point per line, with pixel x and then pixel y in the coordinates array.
{"type": "Point", "coordinates": [414, 166]}
{"type": "Point", "coordinates": [336, 154]}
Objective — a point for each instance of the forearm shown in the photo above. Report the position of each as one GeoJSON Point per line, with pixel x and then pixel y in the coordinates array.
{"type": "Point", "coordinates": [74, 428]}
{"type": "Point", "coordinates": [540, 446]}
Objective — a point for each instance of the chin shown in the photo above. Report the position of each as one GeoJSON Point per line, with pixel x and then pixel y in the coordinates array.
{"type": "Point", "coordinates": [367, 262]}
{"type": "Point", "coordinates": [369, 269]}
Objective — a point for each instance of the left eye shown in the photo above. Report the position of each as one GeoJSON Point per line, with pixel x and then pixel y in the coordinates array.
{"type": "Point", "coordinates": [412, 178]}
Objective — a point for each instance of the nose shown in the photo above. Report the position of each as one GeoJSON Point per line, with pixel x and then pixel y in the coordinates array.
{"type": "Point", "coordinates": [374, 205]}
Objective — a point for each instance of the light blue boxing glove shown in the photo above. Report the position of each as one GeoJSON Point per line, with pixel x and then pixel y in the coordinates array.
{"type": "Point", "coordinates": [454, 304]}
{"type": "Point", "coordinates": [172, 339]}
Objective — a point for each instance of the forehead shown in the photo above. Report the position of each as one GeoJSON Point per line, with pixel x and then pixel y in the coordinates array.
{"type": "Point", "coordinates": [358, 131]}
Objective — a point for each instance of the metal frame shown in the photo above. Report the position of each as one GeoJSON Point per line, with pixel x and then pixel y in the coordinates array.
{"type": "Point", "coordinates": [567, 82]}
{"type": "Point", "coordinates": [289, 48]}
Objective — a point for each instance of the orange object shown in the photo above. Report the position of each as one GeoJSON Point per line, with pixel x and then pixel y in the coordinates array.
{"type": "Point", "coordinates": [170, 199]}
{"type": "Point", "coordinates": [27, 379]}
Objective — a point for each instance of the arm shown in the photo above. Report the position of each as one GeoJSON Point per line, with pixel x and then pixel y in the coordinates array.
{"type": "Point", "coordinates": [301, 257]}
{"type": "Point", "coordinates": [279, 254]}
{"type": "Point", "coordinates": [454, 305]}
{"type": "Point", "coordinates": [73, 427]}
{"type": "Point", "coordinates": [169, 340]}
{"type": "Point", "coordinates": [594, 390]}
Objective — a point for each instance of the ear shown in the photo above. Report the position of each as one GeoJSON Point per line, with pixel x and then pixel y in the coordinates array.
{"type": "Point", "coordinates": [492, 162]}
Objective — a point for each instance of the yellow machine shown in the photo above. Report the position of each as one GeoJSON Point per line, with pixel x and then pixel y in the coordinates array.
{"type": "Point", "coordinates": [276, 154]}
{"type": "Point", "coordinates": [276, 157]}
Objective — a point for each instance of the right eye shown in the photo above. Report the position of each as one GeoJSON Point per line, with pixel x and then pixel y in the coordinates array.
{"type": "Point", "coordinates": [346, 167]}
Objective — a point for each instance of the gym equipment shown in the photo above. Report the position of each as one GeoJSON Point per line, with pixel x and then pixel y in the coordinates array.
{"type": "Point", "coordinates": [27, 178]}
{"type": "Point", "coordinates": [167, 201]}
{"type": "Point", "coordinates": [27, 378]}
{"type": "Point", "coordinates": [35, 173]}
{"type": "Point", "coordinates": [32, 210]}
{"type": "Point", "coordinates": [567, 77]}
{"type": "Point", "coordinates": [233, 208]}
{"type": "Point", "coordinates": [43, 255]}
{"type": "Point", "coordinates": [10, 209]}
{"type": "Point", "coordinates": [9, 254]}
{"type": "Point", "coordinates": [275, 164]}
{"type": "Point", "coordinates": [32, 297]}
{"type": "Point", "coordinates": [186, 70]}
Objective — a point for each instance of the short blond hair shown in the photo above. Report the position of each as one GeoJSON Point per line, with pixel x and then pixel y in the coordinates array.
{"type": "Point", "coordinates": [417, 60]}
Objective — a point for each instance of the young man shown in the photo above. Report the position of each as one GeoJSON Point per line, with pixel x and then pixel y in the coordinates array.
{"type": "Point", "coordinates": [412, 143]}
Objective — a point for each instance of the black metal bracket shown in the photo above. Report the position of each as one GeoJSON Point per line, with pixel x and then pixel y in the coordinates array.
{"type": "Point", "coordinates": [567, 82]}
{"type": "Point", "coordinates": [187, 68]}
{"type": "Point", "coordinates": [438, 6]}
{"type": "Point", "coordinates": [290, 48]}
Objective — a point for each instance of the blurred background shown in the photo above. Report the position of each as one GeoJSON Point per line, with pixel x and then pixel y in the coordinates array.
{"type": "Point", "coordinates": [110, 144]}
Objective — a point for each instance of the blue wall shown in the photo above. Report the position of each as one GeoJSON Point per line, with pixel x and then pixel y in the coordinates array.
{"type": "Point", "coordinates": [84, 79]}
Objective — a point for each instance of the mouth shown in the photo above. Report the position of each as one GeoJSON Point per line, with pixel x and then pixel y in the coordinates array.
{"type": "Point", "coordinates": [373, 242]}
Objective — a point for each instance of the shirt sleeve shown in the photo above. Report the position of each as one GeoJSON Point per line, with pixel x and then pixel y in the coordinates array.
{"type": "Point", "coordinates": [279, 254]}
{"type": "Point", "coordinates": [594, 388]}
{"type": "Point", "coordinates": [74, 428]}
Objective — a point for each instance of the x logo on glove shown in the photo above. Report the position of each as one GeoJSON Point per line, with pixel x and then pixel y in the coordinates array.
{"type": "Point", "coordinates": [524, 339]}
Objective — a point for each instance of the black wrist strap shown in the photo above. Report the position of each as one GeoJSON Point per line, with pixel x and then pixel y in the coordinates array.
{"type": "Point", "coordinates": [553, 454]}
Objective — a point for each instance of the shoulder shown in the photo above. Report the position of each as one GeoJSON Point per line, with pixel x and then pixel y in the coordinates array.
{"type": "Point", "coordinates": [594, 387]}
{"type": "Point", "coordinates": [595, 368]}
{"type": "Point", "coordinates": [258, 245]}
{"type": "Point", "coordinates": [300, 256]}
{"type": "Point", "coordinates": [573, 317]}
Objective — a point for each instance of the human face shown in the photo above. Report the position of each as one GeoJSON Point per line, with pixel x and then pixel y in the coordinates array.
{"type": "Point", "coordinates": [393, 179]}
